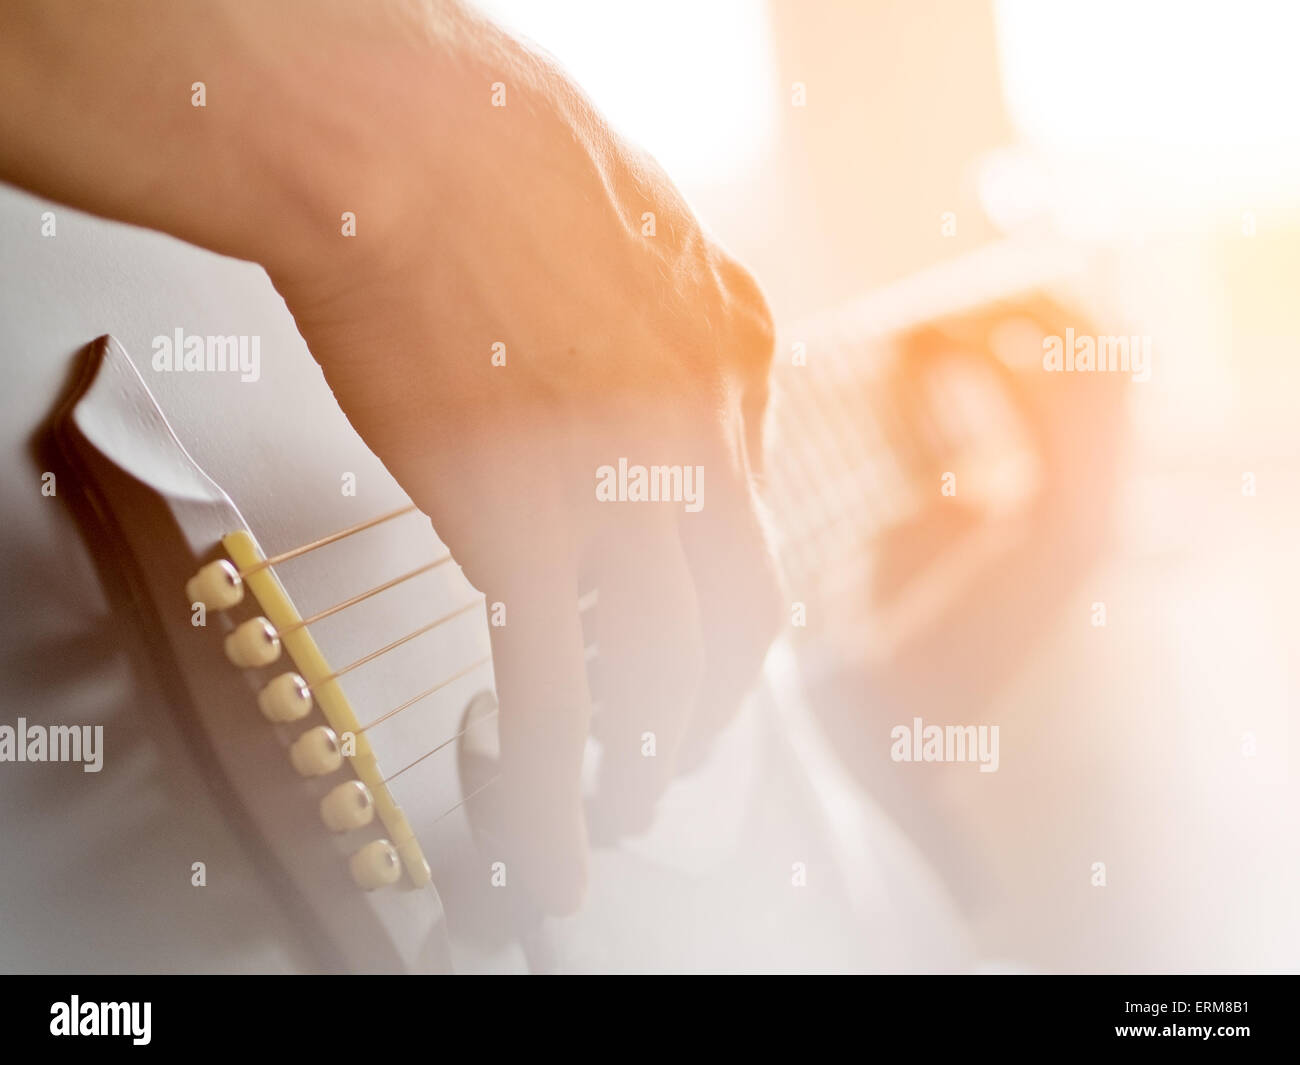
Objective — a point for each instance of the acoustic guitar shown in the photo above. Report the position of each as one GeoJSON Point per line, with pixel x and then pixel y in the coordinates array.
{"type": "Point", "coordinates": [294, 684]}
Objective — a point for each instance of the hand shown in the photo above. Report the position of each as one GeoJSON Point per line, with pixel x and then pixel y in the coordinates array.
{"type": "Point", "coordinates": [526, 225]}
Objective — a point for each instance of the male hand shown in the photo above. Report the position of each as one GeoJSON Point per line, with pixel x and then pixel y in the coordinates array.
{"type": "Point", "coordinates": [529, 225]}
{"type": "Point", "coordinates": [627, 333]}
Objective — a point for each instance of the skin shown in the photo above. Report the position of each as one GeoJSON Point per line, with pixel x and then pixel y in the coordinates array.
{"type": "Point", "coordinates": [475, 224]}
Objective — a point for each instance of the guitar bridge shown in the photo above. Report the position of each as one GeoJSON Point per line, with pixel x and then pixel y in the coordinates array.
{"type": "Point", "coordinates": [320, 833]}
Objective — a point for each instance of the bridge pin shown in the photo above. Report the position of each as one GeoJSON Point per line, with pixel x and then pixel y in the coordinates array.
{"type": "Point", "coordinates": [217, 586]}
{"type": "Point", "coordinates": [254, 643]}
{"type": "Point", "coordinates": [316, 752]}
{"type": "Point", "coordinates": [348, 806]}
{"type": "Point", "coordinates": [376, 865]}
{"type": "Point", "coordinates": [286, 698]}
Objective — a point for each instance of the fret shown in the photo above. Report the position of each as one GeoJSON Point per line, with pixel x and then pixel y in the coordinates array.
{"type": "Point", "coordinates": [898, 389]}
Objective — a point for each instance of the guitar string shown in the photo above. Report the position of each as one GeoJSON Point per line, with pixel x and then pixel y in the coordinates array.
{"type": "Point", "coordinates": [475, 602]}
{"type": "Point", "coordinates": [586, 602]}
{"type": "Point", "coordinates": [456, 806]}
{"type": "Point", "coordinates": [362, 596]}
{"type": "Point", "coordinates": [427, 692]}
{"type": "Point", "coordinates": [429, 753]}
{"type": "Point", "coordinates": [325, 541]}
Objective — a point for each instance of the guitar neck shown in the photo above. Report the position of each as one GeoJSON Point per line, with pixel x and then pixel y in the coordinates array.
{"type": "Point", "coordinates": [876, 404]}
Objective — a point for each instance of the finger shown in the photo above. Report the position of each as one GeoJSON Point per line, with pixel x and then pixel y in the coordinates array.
{"type": "Point", "coordinates": [647, 669]}
{"type": "Point", "coordinates": [499, 509]}
{"type": "Point", "coordinates": [738, 592]}
{"type": "Point", "coordinates": [545, 711]}
{"type": "Point", "coordinates": [512, 540]}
